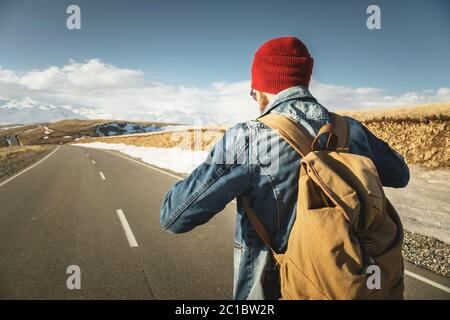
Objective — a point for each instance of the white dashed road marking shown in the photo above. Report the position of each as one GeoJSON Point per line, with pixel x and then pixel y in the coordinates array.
{"type": "Point", "coordinates": [126, 227]}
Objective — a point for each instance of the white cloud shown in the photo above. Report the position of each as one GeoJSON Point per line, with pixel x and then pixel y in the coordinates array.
{"type": "Point", "coordinates": [96, 89]}
{"type": "Point", "coordinates": [345, 98]}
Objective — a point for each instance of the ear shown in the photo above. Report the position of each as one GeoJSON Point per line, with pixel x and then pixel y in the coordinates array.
{"type": "Point", "coordinates": [262, 96]}
{"type": "Point", "coordinates": [265, 95]}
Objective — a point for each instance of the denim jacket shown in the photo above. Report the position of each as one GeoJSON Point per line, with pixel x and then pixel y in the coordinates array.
{"type": "Point", "coordinates": [252, 160]}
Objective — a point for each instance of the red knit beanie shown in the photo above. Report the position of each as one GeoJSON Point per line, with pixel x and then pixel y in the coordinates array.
{"type": "Point", "coordinates": [281, 63]}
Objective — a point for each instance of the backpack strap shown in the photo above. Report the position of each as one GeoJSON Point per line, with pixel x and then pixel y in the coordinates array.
{"type": "Point", "coordinates": [290, 131]}
{"type": "Point", "coordinates": [302, 142]}
{"type": "Point", "coordinates": [256, 223]}
{"type": "Point", "coordinates": [341, 130]}
{"type": "Point", "coordinates": [299, 138]}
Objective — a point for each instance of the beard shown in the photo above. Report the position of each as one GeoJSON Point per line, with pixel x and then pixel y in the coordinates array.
{"type": "Point", "coordinates": [263, 102]}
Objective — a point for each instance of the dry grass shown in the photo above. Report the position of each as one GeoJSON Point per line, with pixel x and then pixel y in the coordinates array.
{"type": "Point", "coordinates": [72, 128]}
{"type": "Point", "coordinates": [32, 137]}
{"type": "Point", "coordinates": [420, 113]}
{"type": "Point", "coordinates": [14, 159]}
{"type": "Point", "coordinates": [13, 131]}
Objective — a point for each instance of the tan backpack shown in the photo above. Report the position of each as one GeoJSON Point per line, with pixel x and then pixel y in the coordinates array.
{"type": "Point", "coordinates": [346, 232]}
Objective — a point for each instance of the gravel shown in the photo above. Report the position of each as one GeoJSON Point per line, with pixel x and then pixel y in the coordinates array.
{"type": "Point", "coordinates": [427, 252]}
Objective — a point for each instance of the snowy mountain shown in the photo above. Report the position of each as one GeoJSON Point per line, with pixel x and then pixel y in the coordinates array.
{"type": "Point", "coordinates": [182, 118]}
{"type": "Point", "coordinates": [31, 111]}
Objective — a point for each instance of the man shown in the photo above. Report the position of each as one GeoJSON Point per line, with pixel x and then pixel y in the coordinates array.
{"type": "Point", "coordinates": [264, 168]}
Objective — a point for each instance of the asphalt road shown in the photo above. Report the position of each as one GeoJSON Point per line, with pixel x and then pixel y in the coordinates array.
{"type": "Point", "coordinates": [64, 211]}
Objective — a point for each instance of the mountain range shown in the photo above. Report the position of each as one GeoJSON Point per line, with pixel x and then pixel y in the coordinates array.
{"type": "Point", "coordinates": [31, 111]}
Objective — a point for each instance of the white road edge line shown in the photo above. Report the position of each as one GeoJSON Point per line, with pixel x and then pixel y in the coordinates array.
{"type": "Point", "coordinates": [93, 161]}
{"type": "Point", "coordinates": [126, 227]}
{"type": "Point", "coordinates": [102, 175]}
{"type": "Point", "coordinates": [407, 272]}
{"type": "Point", "coordinates": [428, 281]}
{"type": "Point", "coordinates": [29, 168]}
{"type": "Point", "coordinates": [144, 164]}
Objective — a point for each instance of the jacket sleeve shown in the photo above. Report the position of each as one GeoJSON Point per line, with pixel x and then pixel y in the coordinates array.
{"type": "Point", "coordinates": [391, 167]}
{"type": "Point", "coordinates": [223, 176]}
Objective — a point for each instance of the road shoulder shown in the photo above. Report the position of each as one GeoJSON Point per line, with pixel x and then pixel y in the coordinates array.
{"type": "Point", "coordinates": [15, 159]}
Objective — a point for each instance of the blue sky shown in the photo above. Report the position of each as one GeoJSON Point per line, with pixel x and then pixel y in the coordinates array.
{"type": "Point", "coordinates": [197, 43]}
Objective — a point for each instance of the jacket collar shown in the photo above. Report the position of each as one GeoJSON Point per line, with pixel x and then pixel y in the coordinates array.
{"type": "Point", "coordinates": [292, 93]}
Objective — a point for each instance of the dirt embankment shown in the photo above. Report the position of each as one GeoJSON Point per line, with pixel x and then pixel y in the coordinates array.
{"type": "Point", "coordinates": [420, 134]}
{"type": "Point", "coordinates": [14, 159]}
{"type": "Point", "coordinates": [426, 143]}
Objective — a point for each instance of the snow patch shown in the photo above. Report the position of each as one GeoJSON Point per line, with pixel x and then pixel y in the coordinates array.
{"type": "Point", "coordinates": [175, 159]}
{"type": "Point", "coordinates": [47, 131]}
